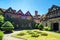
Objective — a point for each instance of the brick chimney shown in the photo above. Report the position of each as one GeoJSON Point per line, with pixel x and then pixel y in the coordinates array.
{"type": "Point", "coordinates": [36, 13]}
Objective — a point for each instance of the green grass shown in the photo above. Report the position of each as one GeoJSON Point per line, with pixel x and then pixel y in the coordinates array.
{"type": "Point", "coordinates": [36, 35]}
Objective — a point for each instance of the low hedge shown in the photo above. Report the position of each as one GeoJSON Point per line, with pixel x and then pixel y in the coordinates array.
{"type": "Point", "coordinates": [48, 28]}
{"type": "Point", "coordinates": [1, 35]}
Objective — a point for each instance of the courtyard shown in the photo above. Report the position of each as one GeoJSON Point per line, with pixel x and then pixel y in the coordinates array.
{"type": "Point", "coordinates": [29, 20]}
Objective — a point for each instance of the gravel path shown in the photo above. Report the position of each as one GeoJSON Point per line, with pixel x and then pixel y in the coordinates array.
{"type": "Point", "coordinates": [9, 37]}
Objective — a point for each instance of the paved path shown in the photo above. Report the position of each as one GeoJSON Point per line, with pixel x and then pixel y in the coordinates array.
{"type": "Point", "coordinates": [9, 37]}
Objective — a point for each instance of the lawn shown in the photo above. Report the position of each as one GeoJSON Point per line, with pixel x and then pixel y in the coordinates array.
{"type": "Point", "coordinates": [36, 35]}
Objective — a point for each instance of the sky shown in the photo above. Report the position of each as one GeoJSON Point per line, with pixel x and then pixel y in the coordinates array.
{"type": "Point", "coordinates": [41, 6]}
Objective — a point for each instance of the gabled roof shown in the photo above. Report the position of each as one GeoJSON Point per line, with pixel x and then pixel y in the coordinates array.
{"type": "Point", "coordinates": [9, 10]}
{"type": "Point", "coordinates": [3, 10]}
{"type": "Point", "coordinates": [28, 13]}
{"type": "Point", "coordinates": [20, 12]}
{"type": "Point", "coordinates": [54, 8]}
{"type": "Point", "coordinates": [14, 11]}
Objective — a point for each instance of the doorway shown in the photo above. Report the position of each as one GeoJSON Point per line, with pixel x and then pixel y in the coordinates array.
{"type": "Point", "coordinates": [55, 26]}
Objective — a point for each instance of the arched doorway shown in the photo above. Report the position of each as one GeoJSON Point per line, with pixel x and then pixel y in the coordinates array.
{"type": "Point", "coordinates": [55, 26]}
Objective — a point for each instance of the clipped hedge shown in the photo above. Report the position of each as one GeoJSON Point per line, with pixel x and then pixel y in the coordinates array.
{"type": "Point", "coordinates": [21, 34]}
{"type": "Point", "coordinates": [47, 28]}
{"type": "Point", "coordinates": [44, 34]}
{"type": "Point", "coordinates": [7, 26]}
{"type": "Point", "coordinates": [1, 35]}
{"type": "Point", "coordinates": [34, 35]}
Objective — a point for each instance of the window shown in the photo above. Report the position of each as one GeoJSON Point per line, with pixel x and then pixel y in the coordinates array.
{"type": "Point", "coordinates": [23, 17]}
{"type": "Point", "coordinates": [54, 8]}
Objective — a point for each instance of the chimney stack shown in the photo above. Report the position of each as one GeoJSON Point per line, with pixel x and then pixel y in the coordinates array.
{"type": "Point", "coordinates": [36, 13]}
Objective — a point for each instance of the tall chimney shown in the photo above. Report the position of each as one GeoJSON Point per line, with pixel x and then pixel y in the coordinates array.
{"type": "Point", "coordinates": [36, 13]}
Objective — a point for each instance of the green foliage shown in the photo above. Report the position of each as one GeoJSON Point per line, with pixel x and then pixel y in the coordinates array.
{"type": "Point", "coordinates": [33, 24]}
{"type": "Point", "coordinates": [21, 34]}
{"type": "Point", "coordinates": [30, 32]}
{"type": "Point", "coordinates": [38, 32]}
{"type": "Point", "coordinates": [40, 26]}
{"type": "Point", "coordinates": [1, 35]}
{"type": "Point", "coordinates": [24, 24]}
{"type": "Point", "coordinates": [1, 13]}
{"type": "Point", "coordinates": [44, 34]}
{"type": "Point", "coordinates": [1, 19]}
{"type": "Point", "coordinates": [34, 35]}
{"type": "Point", "coordinates": [7, 26]}
{"type": "Point", "coordinates": [36, 26]}
{"type": "Point", "coordinates": [47, 28]}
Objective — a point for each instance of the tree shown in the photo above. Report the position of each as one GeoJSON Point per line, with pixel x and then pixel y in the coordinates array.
{"type": "Point", "coordinates": [36, 26]}
{"type": "Point", "coordinates": [33, 23]}
{"type": "Point", "coordinates": [1, 19]}
{"type": "Point", "coordinates": [7, 26]}
{"type": "Point", "coordinates": [1, 13]}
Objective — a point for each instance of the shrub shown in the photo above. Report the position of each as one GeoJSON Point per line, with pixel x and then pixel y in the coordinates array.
{"type": "Point", "coordinates": [1, 35]}
{"type": "Point", "coordinates": [34, 35]}
{"type": "Point", "coordinates": [40, 26]}
{"type": "Point", "coordinates": [7, 26]}
{"type": "Point", "coordinates": [38, 32]}
{"type": "Point", "coordinates": [44, 34]}
{"type": "Point", "coordinates": [30, 32]}
{"type": "Point", "coordinates": [21, 34]}
{"type": "Point", "coordinates": [36, 26]}
{"type": "Point", "coordinates": [47, 28]}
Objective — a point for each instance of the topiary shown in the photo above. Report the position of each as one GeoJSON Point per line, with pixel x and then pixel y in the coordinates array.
{"type": "Point", "coordinates": [34, 35]}
{"type": "Point", "coordinates": [44, 34]}
{"type": "Point", "coordinates": [30, 32]}
{"type": "Point", "coordinates": [21, 34]}
{"type": "Point", "coordinates": [7, 26]}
